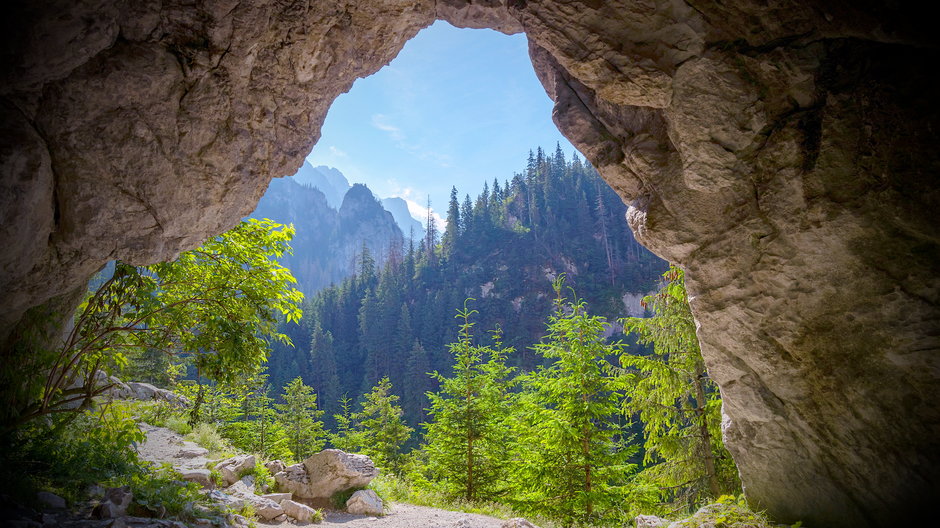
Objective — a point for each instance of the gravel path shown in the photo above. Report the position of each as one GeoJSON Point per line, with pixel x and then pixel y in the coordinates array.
{"type": "Point", "coordinates": [163, 445]}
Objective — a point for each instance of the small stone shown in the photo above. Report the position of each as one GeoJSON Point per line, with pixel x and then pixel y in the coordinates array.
{"type": "Point", "coordinates": [192, 452]}
{"type": "Point", "coordinates": [366, 502]}
{"type": "Point", "coordinates": [203, 477]}
{"type": "Point", "coordinates": [650, 521]}
{"type": "Point", "coordinates": [278, 497]}
{"type": "Point", "coordinates": [275, 466]}
{"type": "Point", "coordinates": [231, 468]}
{"type": "Point", "coordinates": [298, 511]}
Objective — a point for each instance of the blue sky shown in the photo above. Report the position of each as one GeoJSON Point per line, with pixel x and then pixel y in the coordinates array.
{"type": "Point", "coordinates": [456, 107]}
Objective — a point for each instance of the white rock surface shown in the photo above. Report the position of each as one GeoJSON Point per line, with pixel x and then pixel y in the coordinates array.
{"type": "Point", "coordinates": [365, 502]}
{"type": "Point", "coordinates": [301, 512]}
{"type": "Point", "coordinates": [232, 468]}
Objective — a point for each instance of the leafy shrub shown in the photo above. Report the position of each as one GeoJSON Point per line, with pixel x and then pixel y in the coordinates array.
{"type": "Point", "coordinates": [163, 488]}
{"type": "Point", "coordinates": [70, 452]}
{"type": "Point", "coordinates": [263, 479]}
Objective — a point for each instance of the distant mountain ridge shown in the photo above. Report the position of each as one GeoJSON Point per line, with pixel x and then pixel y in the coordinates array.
{"type": "Point", "coordinates": [409, 225]}
{"type": "Point", "coordinates": [328, 239]}
{"type": "Point", "coordinates": [330, 181]}
{"type": "Point", "coordinates": [334, 185]}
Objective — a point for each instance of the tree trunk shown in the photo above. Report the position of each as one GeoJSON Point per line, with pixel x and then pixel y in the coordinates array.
{"type": "Point", "coordinates": [707, 456]}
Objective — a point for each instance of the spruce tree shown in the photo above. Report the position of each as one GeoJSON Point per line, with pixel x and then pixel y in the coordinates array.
{"type": "Point", "coordinates": [346, 438]}
{"type": "Point", "coordinates": [380, 426]}
{"type": "Point", "coordinates": [678, 404]}
{"type": "Point", "coordinates": [300, 418]}
{"type": "Point", "coordinates": [468, 439]}
{"type": "Point", "coordinates": [574, 467]}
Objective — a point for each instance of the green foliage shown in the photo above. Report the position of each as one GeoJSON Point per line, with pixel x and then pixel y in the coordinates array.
{"type": "Point", "coordinates": [163, 488]}
{"type": "Point", "coordinates": [469, 439]}
{"type": "Point", "coordinates": [70, 452]}
{"type": "Point", "coordinates": [573, 460]}
{"type": "Point", "coordinates": [299, 416]}
{"type": "Point", "coordinates": [347, 437]}
{"type": "Point", "coordinates": [263, 479]}
{"type": "Point", "coordinates": [380, 426]}
{"type": "Point", "coordinates": [679, 406]}
{"type": "Point", "coordinates": [216, 305]}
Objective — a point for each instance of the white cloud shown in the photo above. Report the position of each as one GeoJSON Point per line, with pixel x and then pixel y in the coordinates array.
{"type": "Point", "coordinates": [381, 122]}
{"type": "Point", "coordinates": [337, 152]}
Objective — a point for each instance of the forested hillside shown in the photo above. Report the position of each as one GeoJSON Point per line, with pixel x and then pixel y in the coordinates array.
{"type": "Point", "coordinates": [501, 249]}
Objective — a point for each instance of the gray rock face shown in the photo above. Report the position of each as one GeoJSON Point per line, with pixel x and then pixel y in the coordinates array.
{"type": "Point", "coordinates": [783, 153]}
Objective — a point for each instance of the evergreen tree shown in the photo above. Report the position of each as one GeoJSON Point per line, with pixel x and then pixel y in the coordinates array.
{"type": "Point", "coordinates": [323, 369]}
{"type": "Point", "coordinates": [299, 416]}
{"type": "Point", "coordinates": [347, 437]}
{"type": "Point", "coordinates": [452, 230]}
{"type": "Point", "coordinates": [575, 465]}
{"type": "Point", "coordinates": [417, 372]}
{"type": "Point", "coordinates": [678, 404]}
{"type": "Point", "coordinates": [379, 422]}
{"type": "Point", "coordinates": [468, 441]}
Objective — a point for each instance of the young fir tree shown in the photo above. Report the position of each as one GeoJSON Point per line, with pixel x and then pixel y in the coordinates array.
{"type": "Point", "coordinates": [346, 438]}
{"type": "Point", "coordinates": [380, 425]}
{"type": "Point", "coordinates": [299, 416]}
{"type": "Point", "coordinates": [468, 439]}
{"type": "Point", "coordinates": [678, 404]}
{"type": "Point", "coordinates": [574, 467]}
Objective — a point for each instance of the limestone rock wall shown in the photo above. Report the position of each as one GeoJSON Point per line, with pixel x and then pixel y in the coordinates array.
{"type": "Point", "coordinates": [784, 153]}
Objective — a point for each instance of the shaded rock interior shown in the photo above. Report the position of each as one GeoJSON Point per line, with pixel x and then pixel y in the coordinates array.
{"type": "Point", "coordinates": [784, 153]}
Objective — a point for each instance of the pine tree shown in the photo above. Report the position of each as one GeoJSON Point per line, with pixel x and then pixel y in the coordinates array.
{"type": "Point", "coordinates": [452, 230]}
{"type": "Point", "coordinates": [380, 426]}
{"type": "Point", "coordinates": [678, 404]}
{"type": "Point", "coordinates": [417, 374]}
{"type": "Point", "coordinates": [299, 416]}
{"type": "Point", "coordinates": [468, 439]}
{"type": "Point", "coordinates": [575, 466]}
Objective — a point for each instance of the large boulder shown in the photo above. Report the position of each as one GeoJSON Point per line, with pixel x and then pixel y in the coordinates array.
{"type": "Point", "coordinates": [365, 502]}
{"type": "Point", "coordinates": [233, 468]}
{"type": "Point", "coordinates": [326, 473]}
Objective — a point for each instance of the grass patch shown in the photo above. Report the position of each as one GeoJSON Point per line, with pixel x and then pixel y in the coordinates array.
{"type": "Point", "coordinates": [179, 424]}
{"type": "Point", "coordinates": [208, 437]}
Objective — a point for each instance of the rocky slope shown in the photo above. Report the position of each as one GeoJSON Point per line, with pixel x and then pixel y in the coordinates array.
{"type": "Point", "coordinates": [783, 152]}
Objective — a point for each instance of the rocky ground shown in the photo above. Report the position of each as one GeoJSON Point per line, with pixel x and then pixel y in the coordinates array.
{"type": "Point", "coordinates": [163, 445]}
